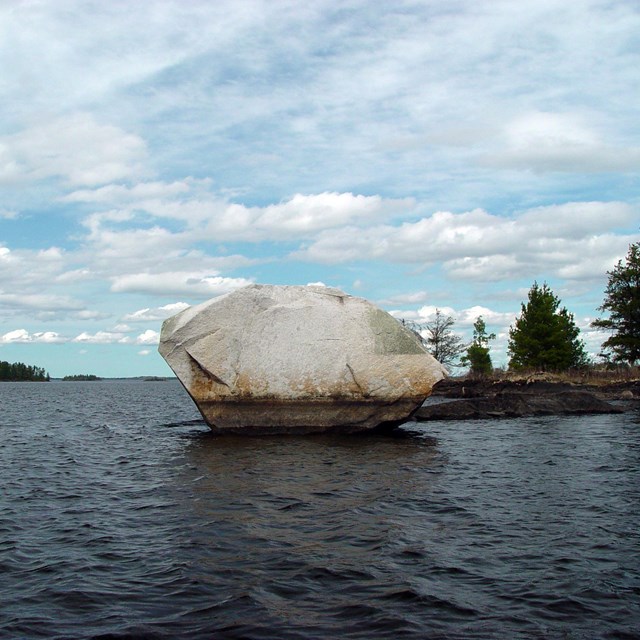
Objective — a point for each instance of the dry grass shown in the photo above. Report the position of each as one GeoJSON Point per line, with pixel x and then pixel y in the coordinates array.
{"type": "Point", "coordinates": [596, 376]}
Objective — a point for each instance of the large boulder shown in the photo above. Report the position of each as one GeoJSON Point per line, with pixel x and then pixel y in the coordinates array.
{"type": "Point", "coordinates": [291, 359]}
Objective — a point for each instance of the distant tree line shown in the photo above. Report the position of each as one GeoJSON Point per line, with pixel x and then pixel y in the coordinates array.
{"type": "Point", "coordinates": [545, 337]}
{"type": "Point", "coordinates": [82, 377]}
{"type": "Point", "coordinates": [18, 371]}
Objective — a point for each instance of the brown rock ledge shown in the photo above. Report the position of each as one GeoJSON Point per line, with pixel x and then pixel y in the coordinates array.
{"type": "Point", "coordinates": [485, 399]}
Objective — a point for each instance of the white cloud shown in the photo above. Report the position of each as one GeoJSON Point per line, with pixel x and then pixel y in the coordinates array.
{"type": "Point", "coordinates": [463, 318]}
{"type": "Point", "coordinates": [23, 336]}
{"type": "Point", "coordinates": [29, 283]}
{"type": "Point", "coordinates": [113, 194]}
{"type": "Point", "coordinates": [122, 328]}
{"type": "Point", "coordinates": [560, 142]}
{"type": "Point", "coordinates": [405, 298]}
{"type": "Point", "coordinates": [475, 245]}
{"type": "Point", "coordinates": [87, 314]}
{"type": "Point", "coordinates": [118, 337]}
{"type": "Point", "coordinates": [102, 337]}
{"type": "Point", "coordinates": [144, 352]}
{"type": "Point", "coordinates": [207, 215]}
{"type": "Point", "coordinates": [148, 337]}
{"type": "Point", "coordinates": [40, 301]}
{"type": "Point", "coordinates": [304, 215]}
{"type": "Point", "coordinates": [75, 148]}
{"type": "Point", "coordinates": [426, 313]}
{"type": "Point", "coordinates": [75, 275]}
{"type": "Point", "coordinates": [156, 314]}
{"type": "Point", "coordinates": [467, 317]}
{"type": "Point", "coordinates": [177, 283]}
{"type": "Point", "coordinates": [373, 118]}
{"type": "Point", "coordinates": [61, 55]}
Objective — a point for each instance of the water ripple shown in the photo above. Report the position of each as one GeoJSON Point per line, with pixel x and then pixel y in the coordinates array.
{"type": "Point", "coordinates": [121, 516]}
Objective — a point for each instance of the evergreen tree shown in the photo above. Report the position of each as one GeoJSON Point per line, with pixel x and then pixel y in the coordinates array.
{"type": "Point", "coordinates": [545, 337]}
{"type": "Point", "coordinates": [622, 301]}
{"type": "Point", "coordinates": [477, 357]}
{"type": "Point", "coordinates": [18, 371]}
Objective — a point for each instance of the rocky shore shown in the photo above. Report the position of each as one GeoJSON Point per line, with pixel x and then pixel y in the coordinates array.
{"type": "Point", "coordinates": [468, 399]}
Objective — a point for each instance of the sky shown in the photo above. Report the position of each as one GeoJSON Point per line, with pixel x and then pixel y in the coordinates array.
{"type": "Point", "coordinates": [433, 154]}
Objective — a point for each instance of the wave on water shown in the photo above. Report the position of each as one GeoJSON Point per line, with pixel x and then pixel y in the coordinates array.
{"type": "Point", "coordinates": [122, 516]}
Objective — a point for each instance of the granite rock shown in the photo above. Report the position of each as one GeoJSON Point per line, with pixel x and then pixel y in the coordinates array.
{"type": "Point", "coordinates": [292, 359]}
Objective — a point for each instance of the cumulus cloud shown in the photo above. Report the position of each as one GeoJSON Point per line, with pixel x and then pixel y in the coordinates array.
{"type": "Point", "coordinates": [29, 283]}
{"type": "Point", "coordinates": [208, 215]}
{"type": "Point", "coordinates": [102, 337]}
{"type": "Point", "coordinates": [156, 314]}
{"type": "Point", "coordinates": [177, 283]}
{"type": "Point", "coordinates": [23, 336]}
{"type": "Point", "coordinates": [476, 245]}
{"type": "Point", "coordinates": [122, 328]}
{"type": "Point", "coordinates": [148, 337]}
{"type": "Point", "coordinates": [305, 215]}
{"type": "Point", "coordinates": [467, 317]}
{"type": "Point", "coordinates": [463, 318]}
{"type": "Point", "coordinates": [425, 313]}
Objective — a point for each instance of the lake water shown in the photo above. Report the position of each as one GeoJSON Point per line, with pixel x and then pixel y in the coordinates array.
{"type": "Point", "coordinates": [121, 516]}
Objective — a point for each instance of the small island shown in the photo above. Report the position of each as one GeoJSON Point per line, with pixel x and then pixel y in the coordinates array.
{"type": "Point", "coordinates": [20, 372]}
{"type": "Point", "coordinates": [83, 377]}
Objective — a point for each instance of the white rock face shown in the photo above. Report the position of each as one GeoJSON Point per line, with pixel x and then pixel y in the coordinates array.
{"type": "Point", "coordinates": [290, 359]}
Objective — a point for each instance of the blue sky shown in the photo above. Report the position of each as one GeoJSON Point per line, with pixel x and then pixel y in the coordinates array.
{"type": "Point", "coordinates": [425, 154]}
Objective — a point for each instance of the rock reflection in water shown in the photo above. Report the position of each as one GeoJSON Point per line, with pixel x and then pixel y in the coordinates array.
{"type": "Point", "coordinates": [301, 533]}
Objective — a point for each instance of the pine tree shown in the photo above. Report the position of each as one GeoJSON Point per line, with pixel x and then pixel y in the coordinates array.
{"type": "Point", "coordinates": [545, 337]}
{"type": "Point", "coordinates": [622, 301]}
{"type": "Point", "coordinates": [477, 357]}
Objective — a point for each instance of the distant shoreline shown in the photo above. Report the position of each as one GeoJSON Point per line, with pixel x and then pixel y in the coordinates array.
{"type": "Point", "coordinates": [100, 379]}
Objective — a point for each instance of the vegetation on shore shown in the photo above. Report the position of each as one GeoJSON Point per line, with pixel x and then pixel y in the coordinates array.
{"type": "Point", "coordinates": [545, 338]}
{"type": "Point", "coordinates": [438, 338]}
{"type": "Point", "coordinates": [83, 377]}
{"type": "Point", "coordinates": [478, 357]}
{"type": "Point", "coordinates": [18, 372]}
{"type": "Point", "coordinates": [595, 375]}
{"type": "Point", "coordinates": [622, 302]}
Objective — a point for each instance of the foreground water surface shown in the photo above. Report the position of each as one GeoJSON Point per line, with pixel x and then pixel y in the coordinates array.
{"type": "Point", "coordinates": [121, 516]}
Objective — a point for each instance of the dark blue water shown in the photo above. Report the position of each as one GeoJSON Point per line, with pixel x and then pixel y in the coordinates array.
{"type": "Point", "coordinates": [122, 517]}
